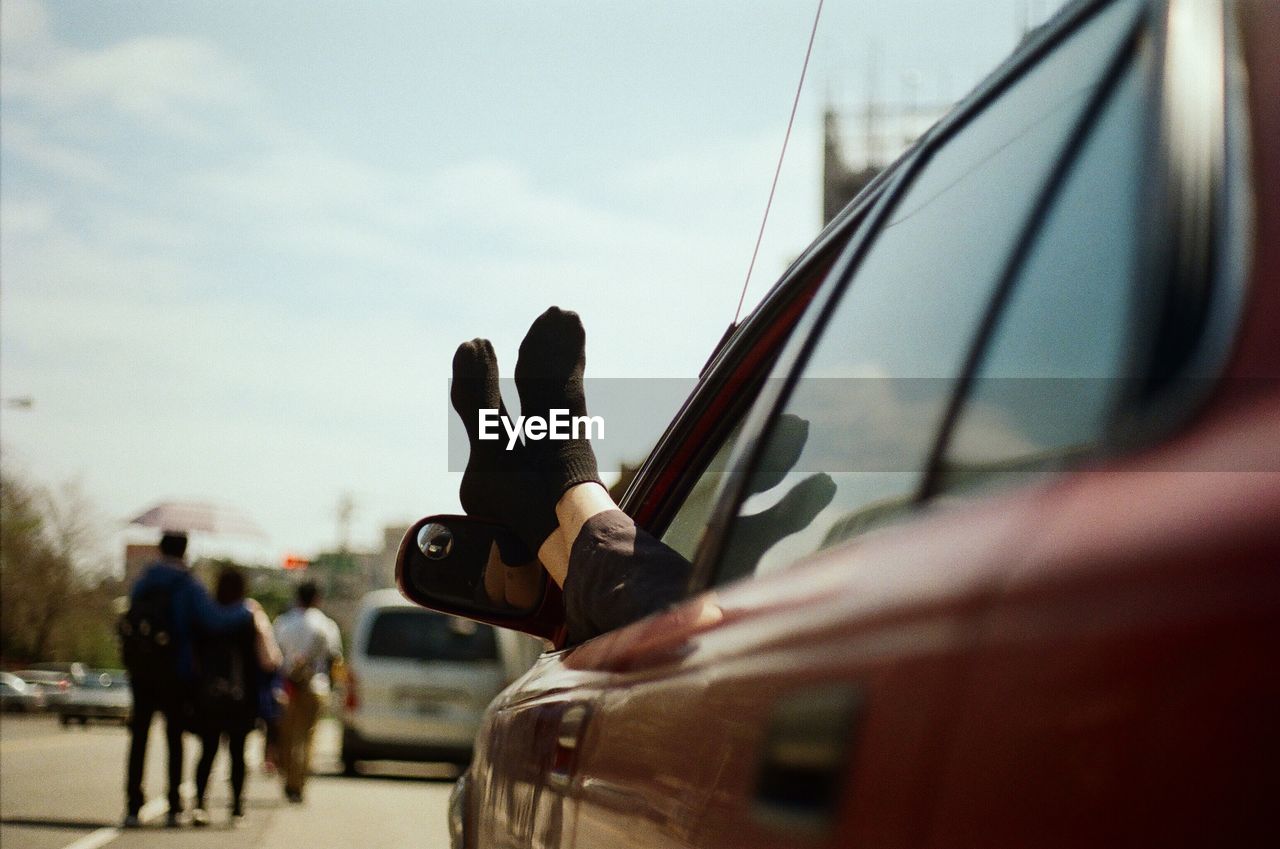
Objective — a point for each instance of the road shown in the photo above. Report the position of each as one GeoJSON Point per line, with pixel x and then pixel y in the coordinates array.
{"type": "Point", "coordinates": [63, 789]}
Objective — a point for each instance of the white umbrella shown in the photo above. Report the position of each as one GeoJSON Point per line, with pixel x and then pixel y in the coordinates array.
{"type": "Point", "coordinates": [200, 516]}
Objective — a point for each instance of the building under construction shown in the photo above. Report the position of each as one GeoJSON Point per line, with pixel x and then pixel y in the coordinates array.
{"type": "Point", "coordinates": [883, 131]}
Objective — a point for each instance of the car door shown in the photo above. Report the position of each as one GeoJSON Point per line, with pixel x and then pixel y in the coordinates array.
{"type": "Point", "coordinates": [1125, 683]}
{"type": "Point", "coordinates": [808, 698]}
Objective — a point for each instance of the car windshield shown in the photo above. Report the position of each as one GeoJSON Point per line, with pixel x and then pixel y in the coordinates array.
{"type": "Point", "coordinates": [420, 635]}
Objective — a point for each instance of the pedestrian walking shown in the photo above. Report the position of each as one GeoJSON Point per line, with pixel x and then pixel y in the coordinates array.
{"type": "Point", "coordinates": [234, 669]}
{"type": "Point", "coordinates": [311, 645]}
{"type": "Point", "coordinates": [167, 608]}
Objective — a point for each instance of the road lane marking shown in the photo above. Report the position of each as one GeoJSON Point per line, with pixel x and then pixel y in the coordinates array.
{"type": "Point", "coordinates": [96, 839]}
{"type": "Point", "coordinates": [103, 836]}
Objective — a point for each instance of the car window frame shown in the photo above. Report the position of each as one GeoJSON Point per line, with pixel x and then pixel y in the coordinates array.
{"type": "Point", "coordinates": [733, 375]}
{"type": "Point", "coordinates": [792, 361]}
{"type": "Point", "coordinates": [1123, 61]}
{"type": "Point", "coordinates": [1199, 195]}
{"type": "Point", "coordinates": [1193, 248]}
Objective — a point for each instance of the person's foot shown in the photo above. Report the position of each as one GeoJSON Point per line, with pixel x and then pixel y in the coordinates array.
{"type": "Point", "coordinates": [498, 483]}
{"type": "Point", "coordinates": [131, 820]}
{"type": "Point", "coordinates": [237, 816]}
{"type": "Point", "coordinates": [294, 796]}
{"type": "Point", "coordinates": [200, 817]}
{"type": "Point", "coordinates": [549, 377]}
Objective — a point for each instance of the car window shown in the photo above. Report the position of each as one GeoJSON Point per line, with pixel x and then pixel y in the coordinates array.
{"type": "Point", "coordinates": [849, 450]}
{"type": "Point", "coordinates": [1046, 387]}
{"type": "Point", "coordinates": [421, 635]}
{"type": "Point", "coordinates": [685, 530]}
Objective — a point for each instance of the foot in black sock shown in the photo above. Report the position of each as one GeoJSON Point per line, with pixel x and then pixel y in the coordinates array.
{"type": "Point", "coordinates": [498, 483]}
{"type": "Point", "coordinates": [549, 377]}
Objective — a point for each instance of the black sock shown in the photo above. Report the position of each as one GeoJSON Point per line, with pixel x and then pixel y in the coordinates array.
{"type": "Point", "coordinates": [498, 484]}
{"type": "Point", "coordinates": [549, 377]}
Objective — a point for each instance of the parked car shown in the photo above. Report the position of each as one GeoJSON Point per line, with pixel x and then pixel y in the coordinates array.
{"type": "Point", "coordinates": [54, 685]}
{"type": "Point", "coordinates": [418, 682]}
{"type": "Point", "coordinates": [18, 696]}
{"type": "Point", "coordinates": [1039, 359]}
{"type": "Point", "coordinates": [74, 670]}
{"type": "Point", "coordinates": [104, 694]}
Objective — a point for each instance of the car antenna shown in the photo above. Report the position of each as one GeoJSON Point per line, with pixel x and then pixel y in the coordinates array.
{"type": "Point", "coordinates": [777, 171]}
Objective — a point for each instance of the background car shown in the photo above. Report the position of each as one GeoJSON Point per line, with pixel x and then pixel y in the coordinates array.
{"type": "Point", "coordinates": [19, 696]}
{"type": "Point", "coordinates": [418, 682]}
{"type": "Point", "coordinates": [54, 685]}
{"type": "Point", "coordinates": [1037, 358]}
{"type": "Point", "coordinates": [103, 694]}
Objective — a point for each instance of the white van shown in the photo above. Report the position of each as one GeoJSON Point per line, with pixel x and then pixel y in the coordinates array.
{"type": "Point", "coordinates": [418, 681]}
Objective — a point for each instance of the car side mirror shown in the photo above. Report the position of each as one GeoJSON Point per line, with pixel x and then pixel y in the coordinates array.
{"type": "Point", "coordinates": [459, 565]}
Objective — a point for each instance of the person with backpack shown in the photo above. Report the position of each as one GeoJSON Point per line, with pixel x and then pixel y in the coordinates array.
{"type": "Point", "coordinates": [167, 608]}
{"type": "Point", "coordinates": [311, 645]}
{"type": "Point", "coordinates": [234, 668]}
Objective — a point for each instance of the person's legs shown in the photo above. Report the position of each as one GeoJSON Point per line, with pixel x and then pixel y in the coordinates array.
{"type": "Point", "coordinates": [311, 717]}
{"type": "Point", "coordinates": [296, 731]}
{"type": "Point", "coordinates": [235, 746]}
{"type": "Point", "coordinates": [209, 740]}
{"type": "Point", "coordinates": [173, 723]}
{"type": "Point", "coordinates": [144, 709]}
{"type": "Point", "coordinates": [288, 746]}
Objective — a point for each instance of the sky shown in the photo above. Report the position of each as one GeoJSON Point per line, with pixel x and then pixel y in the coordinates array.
{"type": "Point", "coordinates": [239, 242]}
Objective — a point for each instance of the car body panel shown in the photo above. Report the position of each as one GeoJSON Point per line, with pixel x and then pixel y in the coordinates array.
{"type": "Point", "coordinates": [1085, 659]}
{"type": "Point", "coordinates": [1126, 680]}
{"type": "Point", "coordinates": [19, 696]}
{"type": "Point", "coordinates": [103, 694]}
{"type": "Point", "coordinates": [55, 686]}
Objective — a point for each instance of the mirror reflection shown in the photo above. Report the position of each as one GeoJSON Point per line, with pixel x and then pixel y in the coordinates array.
{"type": "Point", "coordinates": [469, 566]}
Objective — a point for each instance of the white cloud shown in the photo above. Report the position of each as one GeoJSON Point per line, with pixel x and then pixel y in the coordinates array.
{"type": "Point", "coordinates": [167, 84]}
{"type": "Point", "coordinates": [24, 25]}
{"type": "Point", "coordinates": [23, 218]}
{"type": "Point", "coordinates": [146, 77]}
{"type": "Point", "coordinates": [64, 161]}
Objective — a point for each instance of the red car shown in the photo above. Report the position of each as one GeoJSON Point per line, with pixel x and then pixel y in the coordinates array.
{"type": "Point", "coordinates": [1038, 363]}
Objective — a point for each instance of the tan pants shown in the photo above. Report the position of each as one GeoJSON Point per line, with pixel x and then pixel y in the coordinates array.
{"type": "Point", "coordinates": [297, 728]}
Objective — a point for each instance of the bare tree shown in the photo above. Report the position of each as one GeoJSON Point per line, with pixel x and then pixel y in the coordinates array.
{"type": "Point", "coordinates": [50, 566]}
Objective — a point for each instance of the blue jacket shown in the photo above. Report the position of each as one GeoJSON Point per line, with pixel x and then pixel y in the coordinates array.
{"type": "Point", "coordinates": [193, 611]}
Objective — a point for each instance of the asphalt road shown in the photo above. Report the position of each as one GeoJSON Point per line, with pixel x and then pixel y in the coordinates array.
{"type": "Point", "coordinates": [63, 789]}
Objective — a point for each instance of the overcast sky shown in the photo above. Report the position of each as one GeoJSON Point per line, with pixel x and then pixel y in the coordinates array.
{"type": "Point", "coordinates": [240, 241]}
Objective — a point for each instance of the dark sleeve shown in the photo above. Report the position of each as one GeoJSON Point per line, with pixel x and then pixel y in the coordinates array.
{"type": "Point", "coordinates": [618, 573]}
{"type": "Point", "coordinates": [214, 618]}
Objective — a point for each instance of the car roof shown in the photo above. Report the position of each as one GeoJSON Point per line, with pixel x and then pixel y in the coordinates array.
{"type": "Point", "coordinates": [387, 598]}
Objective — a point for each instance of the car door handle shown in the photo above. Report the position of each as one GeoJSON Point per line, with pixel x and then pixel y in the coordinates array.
{"type": "Point", "coordinates": [564, 757]}
{"type": "Point", "coordinates": [807, 749]}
